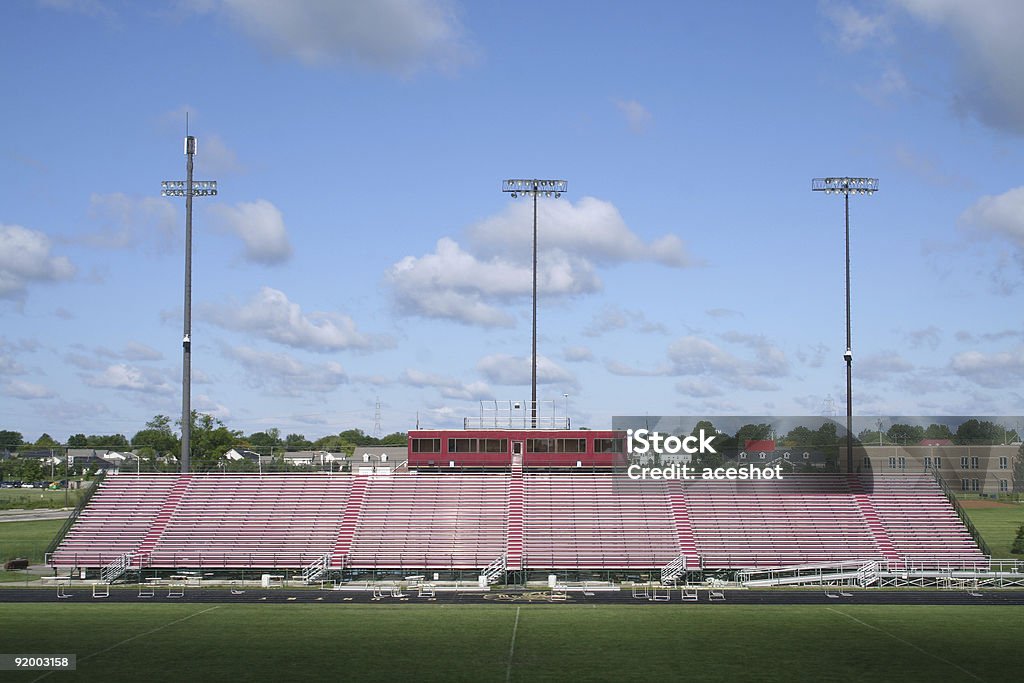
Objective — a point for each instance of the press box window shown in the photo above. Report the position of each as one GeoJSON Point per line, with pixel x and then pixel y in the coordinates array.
{"type": "Point", "coordinates": [462, 446]}
{"type": "Point", "coordinates": [426, 445]}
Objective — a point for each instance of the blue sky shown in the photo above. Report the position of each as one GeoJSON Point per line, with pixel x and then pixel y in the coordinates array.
{"type": "Point", "coordinates": [360, 248]}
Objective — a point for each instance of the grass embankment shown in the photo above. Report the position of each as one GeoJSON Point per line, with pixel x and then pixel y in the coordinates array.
{"type": "Point", "coordinates": [27, 539]}
{"type": "Point", "coordinates": [37, 499]}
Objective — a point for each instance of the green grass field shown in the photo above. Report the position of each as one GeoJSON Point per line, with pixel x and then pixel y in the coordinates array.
{"type": "Point", "coordinates": [998, 526]}
{"type": "Point", "coordinates": [34, 499]}
{"type": "Point", "coordinates": [27, 539]}
{"type": "Point", "coordinates": [201, 642]}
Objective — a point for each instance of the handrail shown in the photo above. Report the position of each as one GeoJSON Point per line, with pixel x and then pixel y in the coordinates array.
{"type": "Point", "coordinates": [961, 513]}
{"type": "Point", "coordinates": [69, 522]}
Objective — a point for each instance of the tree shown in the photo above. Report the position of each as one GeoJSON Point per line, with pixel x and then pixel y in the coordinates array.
{"type": "Point", "coordinates": [905, 434]}
{"type": "Point", "coordinates": [1018, 470]}
{"type": "Point", "coordinates": [46, 441]}
{"type": "Point", "coordinates": [108, 441]}
{"type": "Point", "coordinates": [78, 441]}
{"type": "Point", "coordinates": [266, 440]}
{"type": "Point", "coordinates": [160, 442]}
{"type": "Point", "coordinates": [210, 440]}
{"type": "Point", "coordinates": [753, 432]}
{"type": "Point", "coordinates": [937, 431]}
{"type": "Point", "coordinates": [979, 432]}
{"type": "Point", "coordinates": [10, 440]}
{"type": "Point", "coordinates": [1018, 543]}
{"type": "Point", "coordinates": [800, 437]}
{"type": "Point", "coordinates": [297, 442]}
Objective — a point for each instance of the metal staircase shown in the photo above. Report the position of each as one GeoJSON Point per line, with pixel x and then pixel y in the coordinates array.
{"type": "Point", "coordinates": [674, 569]}
{"type": "Point", "coordinates": [317, 568]}
{"type": "Point", "coordinates": [495, 570]}
{"type": "Point", "coordinates": [115, 569]}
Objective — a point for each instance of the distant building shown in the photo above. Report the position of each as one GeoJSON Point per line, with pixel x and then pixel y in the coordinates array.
{"type": "Point", "coordinates": [969, 469]}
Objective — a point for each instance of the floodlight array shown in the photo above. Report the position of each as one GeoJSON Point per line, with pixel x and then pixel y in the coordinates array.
{"type": "Point", "coordinates": [530, 187]}
{"type": "Point", "coordinates": [847, 186]}
{"type": "Point", "coordinates": [178, 188]}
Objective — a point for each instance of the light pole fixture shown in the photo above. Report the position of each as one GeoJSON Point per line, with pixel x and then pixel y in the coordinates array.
{"type": "Point", "coordinates": [847, 186]}
{"type": "Point", "coordinates": [535, 188]}
{"type": "Point", "coordinates": [187, 188]}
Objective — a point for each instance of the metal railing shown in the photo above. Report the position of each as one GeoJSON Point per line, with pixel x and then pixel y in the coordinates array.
{"type": "Point", "coordinates": [70, 521]}
{"type": "Point", "coordinates": [961, 513]}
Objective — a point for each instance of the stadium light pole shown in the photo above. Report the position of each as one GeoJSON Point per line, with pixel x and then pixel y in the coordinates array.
{"type": "Point", "coordinates": [847, 186]}
{"type": "Point", "coordinates": [535, 188]}
{"type": "Point", "coordinates": [188, 189]}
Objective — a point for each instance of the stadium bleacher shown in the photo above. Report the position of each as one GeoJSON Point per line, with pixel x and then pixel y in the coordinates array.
{"type": "Point", "coordinates": [536, 521]}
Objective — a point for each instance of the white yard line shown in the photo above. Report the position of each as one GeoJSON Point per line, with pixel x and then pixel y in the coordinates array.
{"type": "Point", "coordinates": [905, 642]}
{"type": "Point", "coordinates": [136, 637]}
{"type": "Point", "coordinates": [512, 647]}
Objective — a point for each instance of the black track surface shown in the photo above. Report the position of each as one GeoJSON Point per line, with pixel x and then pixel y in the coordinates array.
{"type": "Point", "coordinates": [83, 595]}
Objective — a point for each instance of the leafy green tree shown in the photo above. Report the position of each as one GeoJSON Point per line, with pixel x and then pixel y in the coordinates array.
{"type": "Point", "coordinates": [108, 441]}
{"type": "Point", "coordinates": [158, 436]}
{"type": "Point", "coordinates": [46, 441]}
{"type": "Point", "coordinates": [905, 434]}
{"type": "Point", "coordinates": [264, 441]}
{"type": "Point", "coordinates": [937, 431]}
{"type": "Point", "coordinates": [210, 441]}
{"type": "Point", "coordinates": [394, 439]}
{"type": "Point", "coordinates": [297, 442]}
{"type": "Point", "coordinates": [10, 440]}
{"type": "Point", "coordinates": [979, 432]}
{"type": "Point", "coordinates": [331, 444]}
{"type": "Point", "coordinates": [753, 432]}
{"type": "Point", "coordinates": [22, 469]}
{"type": "Point", "coordinates": [1018, 543]}
{"type": "Point", "coordinates": [800, 437]}
{"type": "Point", "coordinates": [78, 441]}
{"type": "Point", "coordinates": [1018, 470]}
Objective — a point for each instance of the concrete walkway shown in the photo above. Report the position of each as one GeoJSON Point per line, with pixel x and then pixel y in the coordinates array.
{"type": "Point", "coordinates": [34, 515]}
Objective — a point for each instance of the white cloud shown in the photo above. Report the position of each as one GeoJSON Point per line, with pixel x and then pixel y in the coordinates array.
{"type": "Point", "coordinates": [27, 390]}
{"type": "Point", "coordinates": [990, 83]}
{"type": "Point", "coordinates": [930, 336]}
{"type": "Point", "coordinates": [701, 359]}
{"type": "Point", "coordinates": [612, 318]}
{"type": "Point", "coordinates": [999, 370]}
{"type": "Point", "coordinates": [698, 388]}
{"type": "Point", "coordinates": [217, 157]}
{"type": "Point", "coordinates": [812, 356]}
{"type": "Point", "coordinates": [855, 29]}
{"type": "Point", "coordinates": [1000, 215]}
{"type": "Point", "coordinates": [204, 404]}
{"type": "Point", "coordinates": [454, 284]}
{"type": "Point", "coordinates": [133, 351]}
{"type": "Point", "coordinates": [24, 258]}
{"type": "Point", "coordinates": [504, 369]}
{"type": "Point", "coordinates": [471, 285]}
{"type": "Point", "coordinates": [592, 228]}
{"type": "Point", "coordinates": [125, 222]}
{"type": "Point", "coordinates": [93, 8]}
{"type": "Point", "coordinates": [270, 315]}
{"type": "Point", "coordinates": [261, 228]}
{"type": "Point", "coordinates": [722, 313]}
{"type": "Point", "coordinates": [891, 82]}
{"type": "Point", "coordinates": [401, 36]}
{"type": "Point", "coordinates": [449, 387]}
{"type": "Point", "coordinates": [636, 114]}
{"type": "Point", "coordinates": [124, 377]}
{"type": "Point", "coordinates": [884, 365]}
{"type": "Point", "coordinates": [285, 374]}
{"type": "Point", "coordinates": [577, 354]}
